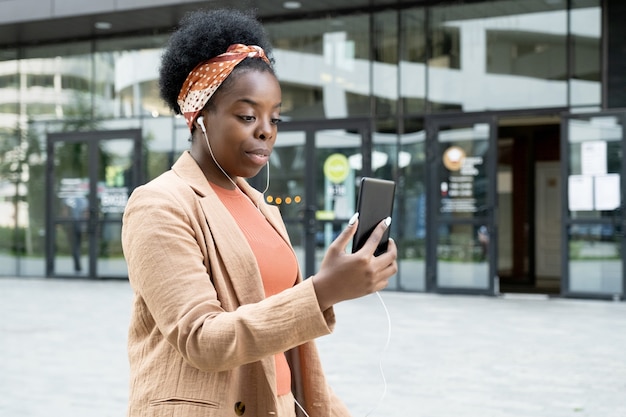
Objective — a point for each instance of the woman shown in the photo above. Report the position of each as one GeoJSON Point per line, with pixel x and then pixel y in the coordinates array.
{"type": "Point", "coordinates": [222, 322]}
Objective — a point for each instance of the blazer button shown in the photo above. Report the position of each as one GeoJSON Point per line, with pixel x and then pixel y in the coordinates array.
{"type": "Point", "coordinates": [240, 408]}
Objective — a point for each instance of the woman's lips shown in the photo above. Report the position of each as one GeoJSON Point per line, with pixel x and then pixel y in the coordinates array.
{"type": "Point", "coordinates": [259, 156]}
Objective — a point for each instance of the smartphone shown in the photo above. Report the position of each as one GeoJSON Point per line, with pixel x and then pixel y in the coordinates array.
{"type": "Point", "coordinates": [375, 203]}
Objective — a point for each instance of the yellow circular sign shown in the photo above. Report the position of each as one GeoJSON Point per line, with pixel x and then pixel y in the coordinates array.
{"type": "Point", "coordinates": [336, 168]}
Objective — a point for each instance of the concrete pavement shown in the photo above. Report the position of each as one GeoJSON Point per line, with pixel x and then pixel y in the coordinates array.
{"type": "Point", "coordinates": [63, 353]}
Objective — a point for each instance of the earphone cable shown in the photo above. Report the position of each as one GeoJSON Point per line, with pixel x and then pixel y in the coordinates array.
{"type": "Point", "coordinates": [267, 183]}
{"type": "Point", "coordinates": [380, 363]}
{"type": "Point", "coordinates": [383, 352]}
{"type": "Point", "coordinates": [206, 137]}
{"type": "Point", "coordinates": [267, 166]}
{"type": "Point", "coordinates": [301, 408]}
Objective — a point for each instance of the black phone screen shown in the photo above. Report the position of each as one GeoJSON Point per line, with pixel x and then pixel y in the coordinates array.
{"type": "Point", "coordinates": [375, 203]}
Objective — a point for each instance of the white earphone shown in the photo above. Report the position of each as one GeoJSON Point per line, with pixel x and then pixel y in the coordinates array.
{"type": "Point", "coordinates": [200, 120]}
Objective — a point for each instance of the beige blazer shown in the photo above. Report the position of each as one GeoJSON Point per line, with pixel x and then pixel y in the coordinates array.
{"type": "Point", "coordinates": [202, 335]}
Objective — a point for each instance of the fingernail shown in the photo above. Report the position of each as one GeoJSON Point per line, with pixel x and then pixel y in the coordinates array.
{"type": "Point", "coordinates": [388, 221]}
{"type": "Point", "coordinates": [353, 219]}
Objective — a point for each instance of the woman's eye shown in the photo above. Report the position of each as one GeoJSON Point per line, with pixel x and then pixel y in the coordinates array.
{"type": "Point", "coordinates": [247, 118]}
{"type": "Point", "coordinates": [276, 121]}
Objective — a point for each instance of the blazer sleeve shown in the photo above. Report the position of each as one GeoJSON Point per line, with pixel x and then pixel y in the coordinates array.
{"type": "Point", "coordinates": [338, 408]}
{"type": "Point", "coordinates": [162, 242]}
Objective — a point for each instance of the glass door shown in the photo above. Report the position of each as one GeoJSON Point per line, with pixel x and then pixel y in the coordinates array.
{"type": "Point", "coordinates": [313, 179]}
{"type": "Point", "coordinates": [593, 230]}
{"type": "Point", "coordinates": [90, 177]}
{"type": "Point", "coordinates": [461, 230]}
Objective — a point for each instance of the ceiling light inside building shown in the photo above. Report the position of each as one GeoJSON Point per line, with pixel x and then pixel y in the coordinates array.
{"type": "Point", "coordinates": [292, 5]}
{"type": "Point", "coordinates": [103, 25]}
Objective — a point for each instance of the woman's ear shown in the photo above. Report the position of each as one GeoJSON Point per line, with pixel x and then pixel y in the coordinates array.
{"type": "Point", "coordinates": [200, 121]}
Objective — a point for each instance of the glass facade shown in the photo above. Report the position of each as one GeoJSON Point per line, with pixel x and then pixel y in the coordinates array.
{"type": "Point", "coordinates": [498, 55]}
{"type": "Point", "coordinates": [13, 204]}
{"type": "Point", "coordinates": [89, 176]}
{"type": "Point", "coordinates": [461, 206]}
{"type": "Point", "coordinates": [412, 65]}
{"type": "Point", "coordinates": [594, 205]}
{"type": "Point", "coordinates": [324, 67]}
{"type": "Point", "coordinates": [410, 209]}
{"type": "Point", "coordinates": [396, 68]}
{"type": "Point", "coordinates": [585, 30]}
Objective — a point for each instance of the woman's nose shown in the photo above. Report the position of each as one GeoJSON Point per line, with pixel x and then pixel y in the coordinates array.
{"type": "Point", "coordinates": [265, 130]}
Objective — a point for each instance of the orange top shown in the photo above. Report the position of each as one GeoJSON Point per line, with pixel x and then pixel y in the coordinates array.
{"type": "Point", "coordinates": [276, 260]}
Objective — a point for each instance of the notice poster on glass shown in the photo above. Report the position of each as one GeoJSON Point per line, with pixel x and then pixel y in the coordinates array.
{"type": "Point", "coordinates": [606, 192]}
{"type": "Point", "coordinates": [580, 192]}
{"type": "Point", "coordinates": [593, 158]}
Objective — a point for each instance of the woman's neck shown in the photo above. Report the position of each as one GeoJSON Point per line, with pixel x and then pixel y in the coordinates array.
{"type": "Point", "coordinates": [212, 171]}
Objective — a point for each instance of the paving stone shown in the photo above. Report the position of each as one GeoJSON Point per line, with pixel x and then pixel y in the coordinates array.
{"type": "Point", "coordinates": [63, 353]}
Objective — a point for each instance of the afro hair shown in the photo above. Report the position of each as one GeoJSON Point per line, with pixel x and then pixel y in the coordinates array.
{"type": "Point", "coordinates": [203, 35]}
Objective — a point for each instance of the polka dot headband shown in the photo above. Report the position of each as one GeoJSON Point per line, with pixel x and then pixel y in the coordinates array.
{"type": "Point", "coordinates": [204, 79]}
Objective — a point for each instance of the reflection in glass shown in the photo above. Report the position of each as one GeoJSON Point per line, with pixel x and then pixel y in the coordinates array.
{"type": "Point", "coordinates": [71, 208]}
{"type": "Point", "coordinates": [506, 242]}
{"type": "Point", "coordinates": [22, 193]}
{"type": "Point", "coordinates": [413, 60]}
{"type": "Point", "coordinates": [409, 222]}
{"type": "Point", "coordinates": [462, 174]}
{"type": "Point", "coordinates": [34, 236]}
{"type": "Point", "coordinates": [75, 215]}
{"type": "Point", "coordinates": [586, 43]}
{"type": "Point", "coordinates": [163, 141]}
{"type": "Point", "coordinates": [594, 193]}
{"type": "Point", "coordinates": [498, 55]}
{"type": "Point", "coordinates": [339, 165]}
{"type": "Point", "coordinates": [462, 235]}
{"type": "Point", "coordinates": [127, 74]}
{"type": "Point", "coordinates": [58, 81]}
{"type": "Point", "coordinates": [595, 264]}
{"type": "Point", "coordinates": [323, 67]}
{"type": "Point", "coordinates": [595, 164]}
{"type": "Point", "coordinates": [474, 56]}
{"type": "Point", "coordinates": [462, 256]}
{"type": "Point", "coordinates": [114, 185]}
{"type": "Point", "coordinates": [385, 63]}
{"type": "Point", "coordinates": [92, 179]}
{"type": "Point", "coordinates": [13, 208]}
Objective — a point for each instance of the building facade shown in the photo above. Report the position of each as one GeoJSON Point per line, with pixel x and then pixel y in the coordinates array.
{"type": "Point", "coordinates": [502, 123]}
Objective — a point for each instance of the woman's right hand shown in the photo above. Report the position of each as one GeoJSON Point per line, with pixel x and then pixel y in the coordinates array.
{"type": "Point", "coordinates": [345, 276]}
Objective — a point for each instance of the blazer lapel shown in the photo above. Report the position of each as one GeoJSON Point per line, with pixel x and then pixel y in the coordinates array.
{"type": "Point", "coordinates": [231, 245]}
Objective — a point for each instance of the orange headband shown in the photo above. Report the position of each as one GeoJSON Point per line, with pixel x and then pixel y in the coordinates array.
{"type": "Point", "coordinates": [204, 79]}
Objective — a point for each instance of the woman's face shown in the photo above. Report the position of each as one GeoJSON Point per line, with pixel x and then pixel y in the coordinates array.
{"type": "Point", "coordinates": [241, 125]}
